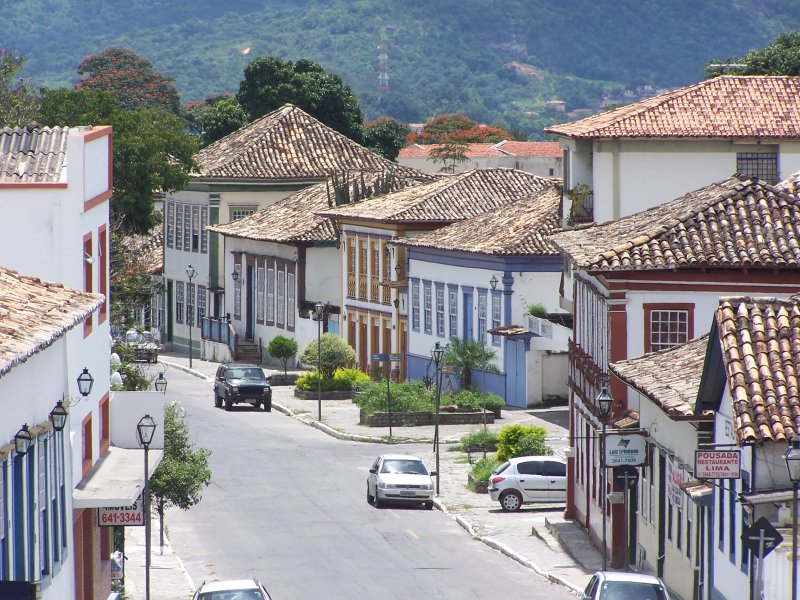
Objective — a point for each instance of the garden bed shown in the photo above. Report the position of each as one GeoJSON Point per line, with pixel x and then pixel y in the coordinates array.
{"type": "Point", "coordinates": [333, 395]}
{"type": "Point", "coordinates": [419, 419]}
{"type": "Point", "coordinates": [479, 487]}
{"type": "Point", "coordinates": [278, 379]}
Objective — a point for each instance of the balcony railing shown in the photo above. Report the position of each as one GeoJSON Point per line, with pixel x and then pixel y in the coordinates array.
{"type": "Point", "coordinates": [386, 294]}
{"type": "Point", "coordinates": [585, 375]}
{"type": "Point", "coordinates": [581, 206]}
{"type": "Point", "coordinates": [362, 287]}
{"type": "Point", "coordinates": [351, 285]}
{"type": "Point", "coordinates": [219, 330]}
{"type": "Point", "coordinates": [374, 292]}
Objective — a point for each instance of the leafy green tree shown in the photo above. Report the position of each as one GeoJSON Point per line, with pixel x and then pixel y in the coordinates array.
{"type": "Point", "coordinates": [270, 82]}
{"type": "Point", "coordinates": [282, 348]}
{"type": "Point", "coordinates": [522, 440]}
{"type": "Point", "coordinates": [466, 355]}
{"type": "Point", "coordinates": [385, 136]}
{"type": "Point", "coordinates": [214, 117]}
{"type": "Point", "coordinates": [183, 472]}
{"type": "Point", "coordinates": [781, 57]}
{"type": "Point", "coordinates": [451, 154]}
{"type": "Point", "coordinates": [18, 100]}
{"type": "Point", "coordinates": [336, 354]}
{"type": "Point", "coordinates": [131, 78]}
{"type": "Point", "coordinates": [151, 151]}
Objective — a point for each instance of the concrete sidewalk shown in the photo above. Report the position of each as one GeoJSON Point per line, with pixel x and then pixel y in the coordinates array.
{"type": "Point", "coordinates": [538, 538]}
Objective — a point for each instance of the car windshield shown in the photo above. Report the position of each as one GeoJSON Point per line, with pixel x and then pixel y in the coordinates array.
{"type": "Point", "coordinates": [231, 595]}
{"type": "Point", "coordinates": [249, 374]}
{"type": "Point", "coordinates": [631, 590]}
{"type": "Point", "coordinates": [395, 465]}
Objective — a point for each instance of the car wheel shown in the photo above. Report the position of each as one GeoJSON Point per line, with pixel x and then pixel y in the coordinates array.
{"type": "Point", "coordinates": [370, 499]}
{"type": "Point", "coordinates": [428, 505]}
{"type": "Point", "coordinates": [217, 400]}
{"type": "Point", "coordinates": [511, 501]}
{"type": "Point", "coordinates": [228, 403]}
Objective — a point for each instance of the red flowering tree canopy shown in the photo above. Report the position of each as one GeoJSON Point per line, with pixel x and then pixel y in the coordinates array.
{"type": "Point", "coordinates": [458, 128]}
{"type": "Point", "coordinates": [130, 78]}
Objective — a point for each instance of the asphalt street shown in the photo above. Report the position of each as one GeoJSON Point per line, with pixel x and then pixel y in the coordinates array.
{"type": "Point", "coordinates": [288, 505]}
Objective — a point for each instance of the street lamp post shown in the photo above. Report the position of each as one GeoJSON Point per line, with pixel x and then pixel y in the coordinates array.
{"type": "Point", "coordinates": [792, 457]}
{"type": "Point", "coordinates": [436, 355]}
{"type": "Point", "coordinates": [319, 310]}
{"type": "Point", "coordinates": [160, 384]}
{"type": "Point", "coordinates": [604, 404]}
{"type": "Point", "coordinates": [191, 274]}
{"type": "Point", "coordinates": [144, 431]}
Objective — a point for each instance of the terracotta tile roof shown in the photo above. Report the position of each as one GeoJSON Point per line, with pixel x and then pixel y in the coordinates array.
{"type": "Point", "coordinates": [32, 155]}
{"type": "Point", "coordinates": [723, 107]}
{"type": "Point", "coordinates": [286, 145]}
{"type": "Point", "coordinates": [728, 224]}
{"type": "Point", "coordinates": [35, 313]}
{"type": "Point", "coordinates": [791, 184]}
{"type": "Point", "coordinates": [149, 250]}
{"type": "Point", "coordinates": [520, 227]}
{"type": "Point", "coordinates": [760, 340]}
{"type": "Point", "coordinates": [670, 378]}
{"type": "Point", "coordinates": [448, 199]}
{"type": "Point", "coordinates": [505, 148]}
{"type": "Point", "coordinates": [295, 219]}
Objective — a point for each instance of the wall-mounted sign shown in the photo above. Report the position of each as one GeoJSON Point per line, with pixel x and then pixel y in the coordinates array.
{"type": "Point", "coordinates": [626, 449]}
{"type": "Point", "coordinates": [129, 516]}
{"type": "Point", "coordinates": [717, 464]}
{"type": "Point", "coordinates": [674, 481]}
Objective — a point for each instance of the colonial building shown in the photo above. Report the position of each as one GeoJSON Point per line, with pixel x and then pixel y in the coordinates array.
{"type": "Point", "coordinates": [478, 278]}
{"type": "Point", "coordinates": [252, 168]}
{"type": "Point", "coordinates": [651, 281]}
{"type": "Point", "coordinates": [375, 304]}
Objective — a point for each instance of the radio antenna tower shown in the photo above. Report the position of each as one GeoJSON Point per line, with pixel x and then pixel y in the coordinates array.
{"type": "Point", "coordinates": [383, 68]}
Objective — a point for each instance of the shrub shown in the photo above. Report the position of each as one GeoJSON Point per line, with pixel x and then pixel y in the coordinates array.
{"type": "Point", "coordinates": [537, 310]}
{"type": "Point", "coordinates": [342, 380]}
{"type": "Point", "coordinates": [407, 396]}
{"type": "Point", "coordinates": [336, 354]}
{"type": "Point", "coordinates": [353, 378]}
{"type": "Point", "coordinates": [282, 348]}
{"type": "Point", "coordinates": [482, 470]}
{"type": "Point", "coordinates": [510, 442]}
{"type": "Point", "coordinates": [473, 399]}
{"type": "Point", "coordinates": [478, 437]}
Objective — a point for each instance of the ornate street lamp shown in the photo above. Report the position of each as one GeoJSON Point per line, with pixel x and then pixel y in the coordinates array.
{"type": "Point", "coordinates": [191, 274]}
{"type": "Point", "coordinates": [319, 311]}
{"type": "Point", "coordinates": [85, 382]}
{"type": "Point", "coordinates": [604, 401]}
{"type": "Point", "coordinates": [436, 355]}
{"type": "Point", "coordinates": [144, 431]}
{"type": "Point", "coordinates": [493, 282]}
{"type": "Point", "coordinates": [160, 384]}
{"type": "Point", "coordinates": [23, 440]}
{"type": "Point", "coordinates": [792, 458]}
{"type": "Point", "coordinates": [58, 416]}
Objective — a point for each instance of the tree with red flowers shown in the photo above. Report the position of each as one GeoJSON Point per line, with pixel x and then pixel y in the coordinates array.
{"type": "Point", "coordinates": [131, 78]}
{"type": "Point", "coordinates": [458, 128]}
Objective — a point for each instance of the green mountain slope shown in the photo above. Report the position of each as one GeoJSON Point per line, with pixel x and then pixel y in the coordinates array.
{"type": "Point", "coordinates": [498, 62]}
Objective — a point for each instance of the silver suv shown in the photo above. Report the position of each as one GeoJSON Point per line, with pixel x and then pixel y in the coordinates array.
{"type": "Point", "coordinates": [528, 479]}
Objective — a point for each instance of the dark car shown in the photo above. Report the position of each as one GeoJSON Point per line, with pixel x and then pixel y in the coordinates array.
{"type": "Point", "coordinates": [239, 383]}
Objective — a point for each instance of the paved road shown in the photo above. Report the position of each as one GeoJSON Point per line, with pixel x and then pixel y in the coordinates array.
{"type": "Point", "coordinates": [288, 505]}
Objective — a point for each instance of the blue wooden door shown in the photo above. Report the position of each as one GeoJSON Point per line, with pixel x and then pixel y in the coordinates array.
{"type": "Point", "coordinates": [515, 374]}
{"type": "Point", "coordinates": [468, 316]}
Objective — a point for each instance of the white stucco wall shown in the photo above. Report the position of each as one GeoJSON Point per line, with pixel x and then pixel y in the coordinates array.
{"type": "Point", "coordinates": [546, 166]}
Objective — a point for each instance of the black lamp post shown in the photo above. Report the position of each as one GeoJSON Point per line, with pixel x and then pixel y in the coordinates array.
{"type": "Point", "coordinates": [319, 310]}
{"type": "Point", "coordinates": [604, 404]}
{"type": "Point", "coordinates": [493, 282]}
{"type": "Point", "coordinates": [144, 431]}
{"type": "Point", "coordinates": [191, 274]}
{"type": "Point", "coordinates": [792, 457]}
{"type": "Point", "coordinates": [160, 384]}
{"type": "Point", "coordinates": [436, 355]}
{"type": "Point", "coordinates": [23, 440]}
{"type": "Point", "coordinates": [58, 416]}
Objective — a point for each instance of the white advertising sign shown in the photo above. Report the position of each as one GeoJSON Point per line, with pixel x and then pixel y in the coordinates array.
{"type": "Point", "coordinates": [674, 481]}
{"type": "Point", "coordinates": [630, 449]}
{"type": "Point", "coordinates": [129, 516]}
{"type": "Point", "coordinates": [717, 464]}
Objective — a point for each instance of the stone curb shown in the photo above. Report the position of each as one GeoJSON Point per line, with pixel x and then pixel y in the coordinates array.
{"type": "Point", "coordinates": [466, 525]}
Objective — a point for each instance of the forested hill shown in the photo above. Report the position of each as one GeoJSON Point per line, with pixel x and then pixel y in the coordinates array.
{"type": "Point", "coordinates": [497, 61]}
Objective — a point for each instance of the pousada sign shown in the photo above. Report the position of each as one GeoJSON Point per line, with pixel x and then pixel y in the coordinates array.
{"type": "Point", "coordinates": [717, 464]}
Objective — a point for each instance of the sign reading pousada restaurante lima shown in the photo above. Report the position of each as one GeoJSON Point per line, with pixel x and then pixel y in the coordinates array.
{"type": "Point", "coordinates": [717, 464]}
{"type": "Point", "coordinates": [626, 449]}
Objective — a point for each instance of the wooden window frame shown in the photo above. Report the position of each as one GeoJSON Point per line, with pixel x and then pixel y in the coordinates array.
{"type": "Point", "coordinates": [87, 445]}
{"type": "Point", "coordinates": [649, 309]}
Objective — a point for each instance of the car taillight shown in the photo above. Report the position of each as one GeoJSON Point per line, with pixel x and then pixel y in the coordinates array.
{"type": "Point", "coordinates": [496, 480]}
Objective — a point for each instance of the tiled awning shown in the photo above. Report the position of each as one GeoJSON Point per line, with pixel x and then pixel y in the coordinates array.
{"type": "Point", "coordinates": [117, 479]}
{"type": "Point", "coordinates": [767, 496]}
{"type": "Point", "coordinates": [512, 332]}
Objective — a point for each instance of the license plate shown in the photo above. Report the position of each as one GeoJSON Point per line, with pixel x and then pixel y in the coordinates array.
{"type": "Point", "coordinates": [406, 493]}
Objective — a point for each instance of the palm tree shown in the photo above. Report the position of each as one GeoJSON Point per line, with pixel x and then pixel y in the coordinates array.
{"type": "Point", "coordinates": [467, 355]}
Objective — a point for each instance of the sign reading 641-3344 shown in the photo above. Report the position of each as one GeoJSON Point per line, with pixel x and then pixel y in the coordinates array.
{"type": "Point", "coordinates": [129, 516]}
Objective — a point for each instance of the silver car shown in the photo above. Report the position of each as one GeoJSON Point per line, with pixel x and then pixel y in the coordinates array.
{"type": "Point", "coordinates": [234, 589]}
{"type": "Point", "coordinates": [399, 478]}
{"type": "Point", "coordinates": [613, 585]}
{"type": "Point", "coordinates": [528, 479]}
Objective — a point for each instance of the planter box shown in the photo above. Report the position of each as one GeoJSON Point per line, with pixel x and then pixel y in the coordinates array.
{"type": "Point", "coordinates": [312, 395]}
{"type": "Point", "coordinates": [480, 487]}
{"type": "Point", "coordinates": [278, 379]}
{"type": "Point", "coordinates": [417, 419]}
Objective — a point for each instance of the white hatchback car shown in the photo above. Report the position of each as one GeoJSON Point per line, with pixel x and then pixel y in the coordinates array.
{"type": "Point", "coordinates": [399, 478]}
{"type": "Point", "coordinates": [528, 479]}
{"type": "Point", "coordinates": [234, 589]}
{"type": "Point", "coordinates": [614, 585]}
